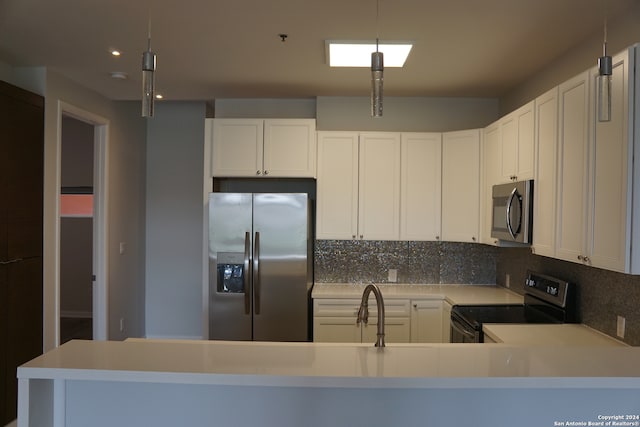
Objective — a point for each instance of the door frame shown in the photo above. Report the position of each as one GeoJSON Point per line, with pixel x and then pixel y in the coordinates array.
{"type": "Point", "coordinates": [100, 217]}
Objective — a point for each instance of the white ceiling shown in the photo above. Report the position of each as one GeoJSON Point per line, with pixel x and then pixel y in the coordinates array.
{"type": "Point", "coordinates": [210, 49]}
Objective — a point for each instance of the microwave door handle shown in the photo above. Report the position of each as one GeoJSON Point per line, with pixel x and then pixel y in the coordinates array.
{"type": "Point", "coordinates": [247, 273]}
{"type": "Point", "coordinates": [512, 197]}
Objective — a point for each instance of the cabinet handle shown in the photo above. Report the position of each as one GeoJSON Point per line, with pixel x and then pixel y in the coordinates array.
{"type": "Point", "coordinates": [473, 238]}
{"type": "Point", "coordinates": [266, 172]}
{"type": "Point", "coordinates": [415, 306]}
{"type": "Point", "coordinates": [586, 259]}
{"type": "Point", "coordinates": [257, 172]}
{"type": "Point", "coordinates": [353, 236]}
{"type": "Point", "coordinates": [579, 257]}
{"type": "Point", "coordinates": [437, 237]}
{"type": "Point", "coordinates": [361, 237]}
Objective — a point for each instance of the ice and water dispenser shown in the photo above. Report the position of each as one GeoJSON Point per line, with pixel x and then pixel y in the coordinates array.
{"type": "Point", "coordinates": [230, 272]}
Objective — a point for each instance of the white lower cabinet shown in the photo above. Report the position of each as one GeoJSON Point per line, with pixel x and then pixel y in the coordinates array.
{"type": "Point", "coordinates": [426, 321]}
{"type": "Point", "coordinates": [334, 320]}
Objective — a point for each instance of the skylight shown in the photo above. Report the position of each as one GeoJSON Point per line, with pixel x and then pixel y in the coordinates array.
{"type": "Point", "coordinates": [358, 53]}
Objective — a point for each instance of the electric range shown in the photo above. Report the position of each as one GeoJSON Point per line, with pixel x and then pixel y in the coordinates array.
{"type": "Point", "coordinates": [546, 300]}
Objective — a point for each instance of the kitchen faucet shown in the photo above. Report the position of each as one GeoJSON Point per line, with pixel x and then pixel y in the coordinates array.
{"type": "Point", "coordinates": [363, 312]}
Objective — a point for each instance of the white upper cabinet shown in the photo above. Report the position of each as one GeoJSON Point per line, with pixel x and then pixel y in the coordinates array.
{"type": "Point", "coordinates": [596, 219]}
{"type": "Point", "coordinates": [491, 175]}
{"type": "Point", "coordinates": [573, 173]}
{"type": "Point", "coordinates": [263, 148]}
{"type": "Point", "coordinates": [337, 186]}
{"type": "Point", "coordinates": [611, 179]}
{"type": "Point", "coordinates": [461, 186]}
{"type": "Point", "coordinates": [358, 187]}
{"type": "Point", "coordinates": [517, 142]}
{"type": "Point", "coordinates": [544, 181]}
{"type": "Point", "coordinates": [379, 186]}
{"type": "Point", "coordinates": [420, 199]}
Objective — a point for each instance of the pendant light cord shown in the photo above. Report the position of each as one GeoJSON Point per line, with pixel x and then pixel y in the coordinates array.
{"type": "Point", "coordinates": [377, 23]}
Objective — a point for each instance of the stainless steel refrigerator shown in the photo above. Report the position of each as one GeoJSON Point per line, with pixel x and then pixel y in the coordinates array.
{"type": "Point", "coordinates": [259, 266]}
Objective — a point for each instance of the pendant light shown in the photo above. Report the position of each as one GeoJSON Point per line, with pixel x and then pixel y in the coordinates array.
{"type": "Point", "coordinates": [377, 70]}
{"type": "Point", "coordinates": [605, 70]}
{"type": "Point", "coordinates": [148, 78]}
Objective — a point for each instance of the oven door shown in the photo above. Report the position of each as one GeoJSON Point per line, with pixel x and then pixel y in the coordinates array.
{"type": "Point", "coordinates": [462, 332]}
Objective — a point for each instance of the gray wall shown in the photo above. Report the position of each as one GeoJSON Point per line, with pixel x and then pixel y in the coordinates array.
{"type": "Point", "coordinates": [126, 165]}
{"type": "Point", "coordinates": [174, 220]}
{"type": "Point", "coordinates": [77, 153]}
{"type": "Point", "coordinates": [406, 114]}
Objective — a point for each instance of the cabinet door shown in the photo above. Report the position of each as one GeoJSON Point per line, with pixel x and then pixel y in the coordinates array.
{"type": "Point", "coordinates": [426, 321]}
{"type": "Point", "coordinates": [379, 184]}
{"type": "Point", "coordinates": [573, 141]}
{"type": "Point", "coordinates": [544, 185]}
{"type": "Point", "coordinates": [491, 175]}
{"type": "Point", "coordinates": [420, 200]}
{"type": "Point", "coordinates": [337, 186]}
{"type": "Point", "coordinates": [461, 186]}
{"type": "Point", "coordinates": [509, 147]}
{"type": "Point", "coordinates": [290, 148]}
{"type": "Point", "coordinates": [608, 239]}
{"type": "Point", "coordinates": [336, 329]}
{"type": "Point", "coordinates": [237, 147]}
{"type": "Point", "coordinates": [525, 118]}
{"type": "Point", "coordinates": [396, 330]}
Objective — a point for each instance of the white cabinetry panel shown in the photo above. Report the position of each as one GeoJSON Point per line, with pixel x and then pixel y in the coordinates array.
{"type": "Point", "coordinates": [420, 200]}
{"type": "Point", "coordinates": [461, 186]}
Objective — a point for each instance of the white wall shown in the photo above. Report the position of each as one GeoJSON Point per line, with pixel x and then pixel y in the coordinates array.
{"type": "Point", "coordinates": [174, 220]}
{"type": "Point", "coordinates": [126, 144]}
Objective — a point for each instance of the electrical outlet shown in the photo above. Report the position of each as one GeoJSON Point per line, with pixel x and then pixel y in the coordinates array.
{"type": "Point", "coordinates": [507, 280]}
{"type": "Point", "coordinates": [123, 247]}
{"type": "Point", "coordinates": [620, 327]}
{"type": "Point", "coordinates": [393, 275]}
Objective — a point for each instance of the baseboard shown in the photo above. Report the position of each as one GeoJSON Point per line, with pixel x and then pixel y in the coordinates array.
{"type": "Point", "coordinates": [76, 314]}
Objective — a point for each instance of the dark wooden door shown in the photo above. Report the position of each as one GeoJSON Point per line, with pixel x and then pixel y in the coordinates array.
{"type": "Point", "coordinates": [21, 193]}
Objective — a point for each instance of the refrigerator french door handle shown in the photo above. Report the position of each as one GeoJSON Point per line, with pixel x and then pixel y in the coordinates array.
{"type": "Point", "coordinates": [512, 198]}
{"type": "Point", "coordinates": [256, 273]}
{"type": "Point", "coordinates": [247, 273]}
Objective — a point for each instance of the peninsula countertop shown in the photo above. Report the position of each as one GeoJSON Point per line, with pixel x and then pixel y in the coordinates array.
{"type": "Point", "coordinates": [338, 365]}
{"type": "Point", "coordinates": [168, 383]}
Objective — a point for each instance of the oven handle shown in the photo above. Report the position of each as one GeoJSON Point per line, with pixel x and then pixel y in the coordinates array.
{"type": "Point", "coordinates": [464, 332]}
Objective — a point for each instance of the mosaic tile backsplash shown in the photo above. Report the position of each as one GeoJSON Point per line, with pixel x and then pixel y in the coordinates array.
{"type": "Point", "coordinates": [362, 261]}
{"type": "Point", "coordinates": [602, 295]}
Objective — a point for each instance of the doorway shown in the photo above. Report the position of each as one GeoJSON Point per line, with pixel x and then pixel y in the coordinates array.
{"type": "Point", "coordinates": [82, 277]}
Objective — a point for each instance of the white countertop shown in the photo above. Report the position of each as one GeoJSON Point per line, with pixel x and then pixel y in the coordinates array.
{"type": "Point", "coordinates": [566, 334]}
{"type": "Point", "coordinates": [338, 365]}
{"type": "Point", "coordinates": [454, 294]}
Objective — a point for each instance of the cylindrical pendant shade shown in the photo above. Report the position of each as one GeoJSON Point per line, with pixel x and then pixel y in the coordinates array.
{"type": "Point", "coordinates": [148, 83]}
{"type": "Point", "coordinates": [605, 67]}
{"type": "Point", "coordinates": [377, 70]}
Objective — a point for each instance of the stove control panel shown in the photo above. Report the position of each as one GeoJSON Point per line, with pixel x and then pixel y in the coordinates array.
{"type": "Point", "coordinates": [548, 288]}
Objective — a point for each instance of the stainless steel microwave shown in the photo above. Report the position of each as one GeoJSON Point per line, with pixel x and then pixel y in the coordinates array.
{"type": "Point", "coordinates": [512, 218]}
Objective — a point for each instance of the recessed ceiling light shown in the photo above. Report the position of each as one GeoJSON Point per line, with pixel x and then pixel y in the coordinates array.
{"type": "Point", "coordinates": [120, 75]}
{"type": "Point", "coordinates": [358, 53]}
{"type": "Point", "coordinates": [115, 52]}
